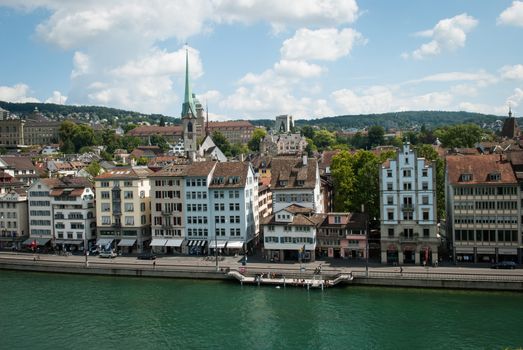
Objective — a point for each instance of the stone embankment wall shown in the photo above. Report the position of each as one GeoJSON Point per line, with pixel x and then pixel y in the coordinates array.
{"type": "Point", "coordinates": [149, 269]}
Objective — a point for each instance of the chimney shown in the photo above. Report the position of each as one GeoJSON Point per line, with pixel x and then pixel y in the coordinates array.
{"type": "Point", "coordinates": [304, 158]}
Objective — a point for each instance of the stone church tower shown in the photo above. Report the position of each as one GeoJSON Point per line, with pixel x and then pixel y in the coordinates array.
{"type": "Point", "coordinates": [192, 117]}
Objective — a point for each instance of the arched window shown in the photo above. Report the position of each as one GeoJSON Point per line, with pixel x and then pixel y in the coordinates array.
{"type": "Point", "coordinates": [189, 127]}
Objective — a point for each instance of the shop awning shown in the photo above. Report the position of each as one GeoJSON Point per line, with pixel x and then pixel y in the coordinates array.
{"type": "Point", "coordinates": [126, 242]}
{"type": "Point", "coordinates": [158, 242]}
{"type": "Point", "coordinates": [217, 244]}
{"type": "Point", "coordinates": [70, 242]}
{"type": "Point", "coordinates": [235, 244]}
{"type": "Point", "coordinates": [104, 241]}
{"type": "Point", "coordinates": [39, 241]}
{"type": "Point", "coordinates": [196, 243]}
{"type": "Point", "coordinates": [176, 242]}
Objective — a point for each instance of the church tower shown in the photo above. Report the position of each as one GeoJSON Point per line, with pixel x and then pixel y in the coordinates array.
{"type": "Point", "coordinates": [189, 117]}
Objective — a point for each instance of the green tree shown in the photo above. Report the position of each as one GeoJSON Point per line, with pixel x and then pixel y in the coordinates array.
{"type": "Point", "coordinates": [310, 148]}
{"type": "Point", "coordinates": [128, 127]}
{"type": "Point", "coordinates": [307, 131]}
{"type": "Point", "coordinates": [344, 180]}
{"type": "Point", "coordinates": [324, 139]}
{"type": "Point", "coordinates": [158, 140]}
{"type": "Point", "coordinates": [129, 143]}
{"type": "Point", "coordinates": [83, 136]}
{"type": "Point", "coordinates": [237, 149]}
{"type": "Point", "coordinates": [221, 142]}
{"type": "Point", "coordinates": [93, 168]}
{"type": "Point", "coordinates": [257, 135]}
{"type": "Point", "coordinates": [67, 147]}
{"type": "Point", "coordinates": [162, 121]}
{"type": "Point", "coordinates": [461, 135]}
{"type": "Point", "coordinates": [142, 161]}
{"type": "Point", "coordinates": [358, 141]}
{"type": "Point", "coordinates": [376, 136]}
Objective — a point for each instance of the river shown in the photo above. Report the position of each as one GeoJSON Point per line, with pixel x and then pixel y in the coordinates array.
{"type": "Point", "coordinates": [54, 311]}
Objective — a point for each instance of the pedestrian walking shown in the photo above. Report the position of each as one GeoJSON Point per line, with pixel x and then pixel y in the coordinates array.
{"type": "Point", "coordinates": [154, 264]}
{"type": "Point", "coordinates": [401, 270]}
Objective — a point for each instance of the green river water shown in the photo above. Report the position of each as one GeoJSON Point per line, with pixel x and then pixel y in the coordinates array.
{"type": "Point", "coordinates": [53, 311]}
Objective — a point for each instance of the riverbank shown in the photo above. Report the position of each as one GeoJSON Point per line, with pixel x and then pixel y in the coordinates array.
{"type": "Point", "coordinates": [205, 268]}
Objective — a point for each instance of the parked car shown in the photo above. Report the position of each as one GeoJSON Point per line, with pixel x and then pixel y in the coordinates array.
{"type": "Point", "coordinates": [146, 256]}
{"type": "Point", "coordinates": [107, 254]}
{"type": "Point", "coordinates": [504, 265]}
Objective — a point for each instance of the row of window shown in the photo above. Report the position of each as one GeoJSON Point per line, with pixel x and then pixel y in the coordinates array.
{"type": "Point", "coordinates": [38, 232]}
{"type": "Point", "coordinates": [39, 194]}
{"type": "Point", "coordinates": [196, 207]}
{"type": "Point", "coordinates": [487, 235]}
{"type": "Point", "coordinates": [408, 200]}
{"type": "Point", "coordinates": [232, 194]}
{"type": "Point", "coordinates": [167, 232]}
{"type": "Point", "coordinates": [408, 215]}
{"type": "Point", "coordinates": [197, 232]}
{"type": "Point", "coordinates": [290, 228]}
{"type": "Point", "coordinates": [168, 221]}
{"type": "Point", "coordinates": [232, 232]}
{"type": "Point", "coordinates": [408, 172]}
{"type": "Point", "coordinates": [116, 183]}
{"type": "Point", "coordinates": [233, 219]}
{"type": "Point", "coordinates": [407, 186]}
{"type": "Point", "coordinates": [293, 240]}
{"type": "Point", "coordinates": [7, 205]}
{"type": "Point", "coordinates": [163, 183]}
{"type": "Point", "coordinates": [70, 235]}
{"type": "Point", "coordinates": [196, 182]}
{"type": "Point", "coordinates": [40, 203]}
{"type": "Point", "coordinates": [486, 220]}
{"type": "Point", "coordinates": [8, 215]}
{"type": "Point", "coordinates": [40, 213]}
{"type": "Point", "coordinates": [129, 220]}
{"type": "Point", "coordinates": [485, 191]}
{"type": "Point", "coordinates": [221, 206]}
{"type": "Point", "coordinates": [10, 224]}
{"type": "Point", "coordinates": [289, 198]}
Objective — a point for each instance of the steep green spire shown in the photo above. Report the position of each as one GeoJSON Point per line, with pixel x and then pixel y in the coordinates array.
{"type": "Point", "coordinates": [188, 103]}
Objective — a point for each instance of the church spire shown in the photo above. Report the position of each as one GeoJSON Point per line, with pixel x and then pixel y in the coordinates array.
{"type": "Point", "coordinates": [509, 112]}
{"type": "Point", "coordinates": [188, 103]}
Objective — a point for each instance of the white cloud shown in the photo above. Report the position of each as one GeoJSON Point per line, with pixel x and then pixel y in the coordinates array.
{"type": "Point", "coordinates": [57, 98]}
{"type": "Point", "coordinates": [481, 77]}
{"type": "Point", "coordinates": [161, 63]}
{"type": "Point", "coordinates": [210, 96]}
{"type": "Point", "coordinates": [381, 99]}
{"type": "Point", "coordinates": [80, 64]}
{"type": "Point", "coordinates": [515, 98]}
{"type": "Point", "coordinates": [327, 44]}
{"type": "Point", "coordinates": [298, 69]}
{"type": "Point", "coordinates": [512, 15]}
{"type": "Point", "coordinates": [514, 72]}
{"type": "Point", "coordinates": [281, 14]}
{"type": "Point", "coordinates": [448, 34]}
{"type": "Point", "coordinates": [16, 93]}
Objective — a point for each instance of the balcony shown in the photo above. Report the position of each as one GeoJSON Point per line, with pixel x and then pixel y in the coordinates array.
{"type": "Point", "coordinates": [409, 239]}
{"type": "Point", "coordinates": [167, 213]}
{"type": "Point", "coordinates": [407, 207]}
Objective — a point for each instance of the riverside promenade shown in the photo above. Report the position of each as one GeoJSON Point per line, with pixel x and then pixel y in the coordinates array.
{"type": "Point", "coordinates": [198, 267]}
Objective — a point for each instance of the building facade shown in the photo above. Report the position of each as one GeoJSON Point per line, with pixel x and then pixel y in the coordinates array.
{"type": "Point", "coordinates": [295, 180]}
{"type": "Point", "coordinates": [198, 213]}
{"type": "Point", "coordinates": [343, 235]}
{"type": "Point", "coordinates": [234, 209]}
{"type": "Point", "coordinates": [483, 209]}
{"type": "Point", "coordinates": [290, 234]}
{"type": "Point", "coordinates": [168, 208]}
{"type": "Point", "coordinates": [408, 210]}
{"type": "Point", "coordinates": [14, 226]}
{"type": "Point", "coordinates": [123, 209]}
{"type": "Point", "coordinates": [61, 213]}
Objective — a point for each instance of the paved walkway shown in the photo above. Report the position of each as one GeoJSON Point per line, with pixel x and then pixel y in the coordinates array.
{"type": "Point", "coordinates": [208, 263]}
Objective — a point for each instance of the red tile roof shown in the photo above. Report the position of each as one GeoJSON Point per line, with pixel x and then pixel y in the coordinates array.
{"type": "Point", "coordinates": [146, 130]}
{"type": "Point", "coordinates": [125, 173]}
{"type": "Point", "coordinates": [233, 174]}
{"type": "Point", "coordinates": [480, 167]}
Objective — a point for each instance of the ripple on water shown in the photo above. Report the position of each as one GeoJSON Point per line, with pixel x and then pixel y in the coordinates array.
{"type": "Point", "coordinates": [50, 311]}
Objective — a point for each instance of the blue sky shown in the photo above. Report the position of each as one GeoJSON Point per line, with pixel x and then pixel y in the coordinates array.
{"type": "Point", "coordinates": [257, 59]}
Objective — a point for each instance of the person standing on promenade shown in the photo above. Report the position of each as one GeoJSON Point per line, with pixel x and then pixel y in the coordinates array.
{"type": "Point", "coordinates": [401, 270]}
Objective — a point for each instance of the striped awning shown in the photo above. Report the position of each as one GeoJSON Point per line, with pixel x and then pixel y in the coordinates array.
{"type": "Point", "coordinates": [104, 241]}
{"type": "Point", "coordinates": [126, 242]}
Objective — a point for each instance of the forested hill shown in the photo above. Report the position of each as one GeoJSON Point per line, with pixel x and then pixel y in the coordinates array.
{"type": "Point", "coordinates": [399, 120]}
{"type": "Point", "coordinates": [81, 112]}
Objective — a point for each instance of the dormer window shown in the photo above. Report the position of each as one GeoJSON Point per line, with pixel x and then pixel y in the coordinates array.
{"type": "Point", "coordinates": [234, 179]}
{"type": "Point", "coordinates": [218, 180]}
{"type": "Point", "coordinates": [282, 183]}
{"type": "Point", "coordinates": [494, 176]}
{"type": "Point", "coordinates": [300, 182]}
{"type": "Point", "coordinates": [337, 219]}
{"type": "Point", "coordinates": [465, 177]}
